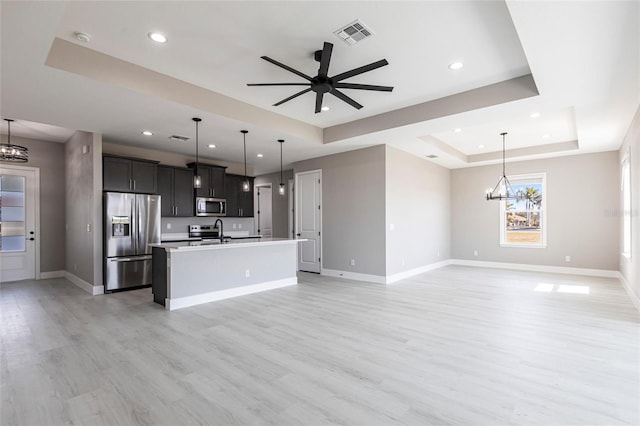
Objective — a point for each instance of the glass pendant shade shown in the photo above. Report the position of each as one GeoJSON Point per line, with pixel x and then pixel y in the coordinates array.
{"type": "Point", "coordinates": [197, 181]}
{"type": "Point", "coordinates": [246, 186]}
{"type": "Point", "coordinates": [13, 153]}
{"type": "Point", "coordinates": [281, 189]}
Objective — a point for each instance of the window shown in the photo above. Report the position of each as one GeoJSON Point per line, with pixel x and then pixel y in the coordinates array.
{"type": "Point", "coordinates": [523, 221]}
{"type": "Point", "coordinates": [626, 207]}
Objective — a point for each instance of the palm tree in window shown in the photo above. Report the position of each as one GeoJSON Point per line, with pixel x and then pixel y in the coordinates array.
{"type": "Point", "coordinates": [533, 198]}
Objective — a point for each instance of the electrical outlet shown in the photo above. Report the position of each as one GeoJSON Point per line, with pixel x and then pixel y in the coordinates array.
{"type": "Point", "coordinates": [247, 273]}
{"type": "Point", "coordinates": [88, 227]}
{"type": "Point", "coordinates": [353, 262]}
{"type": "Point", "coordinates": [567, 258]}
{"type": "Point", "coordinates": [239, 226]}
{"type": "Point", "coordinates": [168, 226]}
{"type": "Point", "coordinates": [234, 226]}
{"type": "Point", "coordinates": [391, 227]}
{"type": "Point", "coordinates": [475, 252]}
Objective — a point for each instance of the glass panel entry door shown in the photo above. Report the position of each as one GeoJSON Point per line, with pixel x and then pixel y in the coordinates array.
{"type": "Point", "coordinates": [12, 214]}
{"type": "Point", "coordinates": [18, 239]}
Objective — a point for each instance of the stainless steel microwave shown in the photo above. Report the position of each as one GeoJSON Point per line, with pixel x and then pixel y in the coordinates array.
{"type": "Point", "coordinates": [211, 206]}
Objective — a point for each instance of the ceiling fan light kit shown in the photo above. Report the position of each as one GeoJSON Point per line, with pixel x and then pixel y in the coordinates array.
{"type": "Point", "coordinates": [322, 83]}
{"type": "Point", "coordinates": [503, 189]}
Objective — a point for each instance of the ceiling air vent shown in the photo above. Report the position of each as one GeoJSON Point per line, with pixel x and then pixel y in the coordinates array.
{"type": "Point", "coordinates": [432, 156]}
{"type": "Point", "coordinates": [354, 32]}
{"type": "Point", "coordinates": [179, 138]}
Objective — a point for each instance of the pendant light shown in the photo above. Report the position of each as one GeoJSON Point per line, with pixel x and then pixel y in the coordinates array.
{"type": "Point", "coordinates": [13, 153]}
{"type": "Point", "coordinates": [281, 189]}
{"type": "Point", "coordinates": [246, 186]}
{"type": "Point", "coordinates": [197, 181]}
{"type": "Point", "coordinates": [503, 189]}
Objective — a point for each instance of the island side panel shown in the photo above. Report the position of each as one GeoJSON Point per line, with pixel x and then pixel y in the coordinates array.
{"type": "Point", "coordinates": [159, 275]}
{"type": "Point", "coordinates": [206, 271]}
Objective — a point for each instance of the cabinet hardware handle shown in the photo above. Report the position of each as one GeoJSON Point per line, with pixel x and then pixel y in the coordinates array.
{"type": "Point", "coordinates": [134, 184]}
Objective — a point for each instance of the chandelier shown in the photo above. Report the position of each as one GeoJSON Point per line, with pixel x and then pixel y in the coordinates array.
{"type": "Point", "coordinates": [13, 153]}
{"type": "Point", "coordinates": [503, 189]}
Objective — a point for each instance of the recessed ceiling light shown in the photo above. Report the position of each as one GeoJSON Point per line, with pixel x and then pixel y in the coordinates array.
{"type": "Point", "coordinates": [211, 145]}
{"type": "Point", "coordinates": [535, 115]}
{"type": "Point", "coordinates": [147, 133]}
{"type": "Point", "coordinates": [480, 146]}
{"type": "Point", "coordinates": [157, 37]}
{"type": "Point", "coordinates": [457, 130]}
{"type": "Point", "coordinates": [546, 136]}
{"type": "Point", "coordinates": [325, 108]}
{"type": "Point", "coordinates": [456, 65]}
{"type": "Point", "coordinates": [259, 155]}
{"type": "Point", "coordinates": [83, 37]}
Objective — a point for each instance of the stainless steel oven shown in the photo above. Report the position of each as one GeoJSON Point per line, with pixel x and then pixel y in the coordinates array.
{"type": "Point", "coordinates": [211, 206]}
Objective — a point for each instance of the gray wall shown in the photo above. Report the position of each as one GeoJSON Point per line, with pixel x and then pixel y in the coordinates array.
{"type": "Point", "coordinates": [630, 267]}
{"type": "Point", "coordinates": [84, 207]}
{"type": "Point", "coordinates": [418, 207]}
{"type": "Point", "coordinates": [582, 193]}
{"type": "Point", "coordinates": [180, 225]}
{"type": "Point", "coordinates": [279, 203]}
{"type": "Point", "coordinates": [49, 158]}
{"type": "Point", "coordinates": [353, 209]}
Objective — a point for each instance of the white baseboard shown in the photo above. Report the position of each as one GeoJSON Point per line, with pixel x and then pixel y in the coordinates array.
{"type": "Point", "coordinates": [379, 279]}
{"type": "Point", "coordinates": [538, 268]}
{"type": "Point", "coordinates": [52, 274]}
{"type": "Point", "coordinates": [91, 289]}
{"type": "Point", "coordinates": [632, 295]}
{"type": "Point", "coordinates": [183, 302]}
{"type": "Point", "coordinates": [416, 271]}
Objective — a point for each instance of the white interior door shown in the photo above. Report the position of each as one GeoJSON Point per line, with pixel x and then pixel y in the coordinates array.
{"type": "Point", "coordinates": [291, 229]}
{"type": "Point", "coordinates": [18, 236]}
{"type": "Point", "coordinates": [264, 211]}
{"type": "Point", "coordinates": [308, 196]}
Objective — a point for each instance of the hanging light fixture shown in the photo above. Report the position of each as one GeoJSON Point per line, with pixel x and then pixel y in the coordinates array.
{"type": "Point", "coordinates": [246, 186]}
{"type": "Point", "coordinates": [281, 189]}
{"type": "Point", "coordinates": [13, 153]}
{"type": "Point", "coordinates": [503, 189]}
{"type": "Point", "coordinates": [197, 181]}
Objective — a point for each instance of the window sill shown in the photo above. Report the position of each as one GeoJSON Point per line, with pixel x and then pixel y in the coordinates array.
{"type": "Point", "coordinates": [533, 246]}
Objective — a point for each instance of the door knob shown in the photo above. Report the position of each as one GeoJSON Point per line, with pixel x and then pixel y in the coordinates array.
{"type": "Point", "coordinates": [298, 235]}
{"type": "Point", "coordinates": [31, 239]}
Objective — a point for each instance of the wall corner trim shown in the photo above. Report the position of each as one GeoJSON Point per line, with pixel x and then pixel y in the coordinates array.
{"type": "Point", "coordinates": [52, 274]}
{"type": "Point", "coordinates": [416, 271]}
{"type": "Point", "coordinates": [378, 279]}
{"type": "Point", "coordinates": [91, 289]}
{"type": "Point", "coordinates": [634, 297]}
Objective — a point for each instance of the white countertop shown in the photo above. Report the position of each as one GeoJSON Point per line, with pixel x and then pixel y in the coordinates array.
{"type": "Point", "coordinates": [216, 245]}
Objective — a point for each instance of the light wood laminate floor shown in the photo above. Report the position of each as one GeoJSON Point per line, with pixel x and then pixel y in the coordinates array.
{"type": "Point", "coordinates": [457, 345]}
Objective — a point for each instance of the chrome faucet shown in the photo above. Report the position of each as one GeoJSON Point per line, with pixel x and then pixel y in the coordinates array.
{"type": "Point", "coordinates": [221, 228]}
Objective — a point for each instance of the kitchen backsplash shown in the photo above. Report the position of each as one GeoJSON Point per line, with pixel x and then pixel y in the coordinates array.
{"type": "Point", "coordinates": [180, 225]}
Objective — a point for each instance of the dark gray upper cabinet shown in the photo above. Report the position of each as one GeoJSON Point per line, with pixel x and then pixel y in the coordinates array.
{"type": "Point", "coordinates": [129, 175]}
{"type": "Point", "coordinates": [239, 203]}
{"type": "Point", "coordinates": [213, 182]}
{"type": "Point", "coordinates": [175, 185]}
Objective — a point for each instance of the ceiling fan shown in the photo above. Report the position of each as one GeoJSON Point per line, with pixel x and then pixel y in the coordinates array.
{"type": "Point", "coordinates": [322, 83]}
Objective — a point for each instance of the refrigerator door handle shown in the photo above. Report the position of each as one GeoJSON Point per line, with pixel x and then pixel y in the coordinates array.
{"type": "Point", "coordinates": [130, 259]}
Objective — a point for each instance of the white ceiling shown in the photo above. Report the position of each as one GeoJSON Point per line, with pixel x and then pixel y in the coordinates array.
{"type": "Point", "coordinates": [583, 57]}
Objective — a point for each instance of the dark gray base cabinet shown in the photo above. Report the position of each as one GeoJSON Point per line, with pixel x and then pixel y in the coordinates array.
{"type": "Point", "coordinates": [175, 185]}
{"type": "Point", "coordinates": [239, 203]}
{"type": "Point", "coordinates": [122, 174]}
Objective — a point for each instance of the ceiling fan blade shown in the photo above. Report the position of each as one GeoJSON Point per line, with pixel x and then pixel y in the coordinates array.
{"type": "Point", "coordinates": [324, 61]}
{"type": "Point", "coordinates": [293, 96]}
{"type": "Point", "coordinates": [288, 68]}
{"type": "Point", "coordinates": [360, 70]}
{"type": "Point", "coordinates": [319, 97]}
{"type": "Point", "coordinates": [338, 94]}
{"type": "Point", "coordinates": [363, 87]}
{"type": "Point", "coordinates": [277, 84]}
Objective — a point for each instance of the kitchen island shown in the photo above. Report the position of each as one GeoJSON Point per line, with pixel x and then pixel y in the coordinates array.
{"type": "Point", "coordinates": [189, 273]}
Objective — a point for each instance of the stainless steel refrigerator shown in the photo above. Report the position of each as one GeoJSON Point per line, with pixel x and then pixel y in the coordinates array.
{"type": "Point", "coordinates": [132, 222]}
